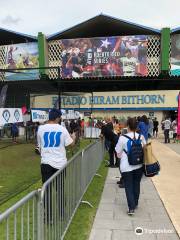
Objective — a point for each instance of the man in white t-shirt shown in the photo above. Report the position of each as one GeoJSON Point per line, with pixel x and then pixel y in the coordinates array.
{"type": "Point", "coordinates": [167, 126]}
{"type": "Point", "coordinates": [52, 140]}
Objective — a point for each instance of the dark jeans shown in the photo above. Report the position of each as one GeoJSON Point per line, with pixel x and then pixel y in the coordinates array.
{"type": "Point", "coordinates": [53, 196]}
{"type": "Point", "coordinates": [47, 171]}
{"type": "Point", "coordinates": [166, 136]}
{"type": "Point", "coordinates": [107, 144]}
{"type": "Point", "coordinates": [121, 178]}
{"type": "Point", "coordinates": [155, 132]}
{"type": "Point", "coordinates": [132, 186]}
{"type": "Point", "coordinates": [112, 153]}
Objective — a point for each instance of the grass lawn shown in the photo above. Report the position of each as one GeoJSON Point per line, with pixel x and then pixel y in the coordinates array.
{"type": "Point", "coordinates": [83, 220]}
{"type": "Point", "coordinates": [20, 168]}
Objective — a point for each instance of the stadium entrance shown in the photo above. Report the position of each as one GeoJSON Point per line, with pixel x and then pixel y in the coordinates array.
{"type": "Point", "coordinates": [121, 104]}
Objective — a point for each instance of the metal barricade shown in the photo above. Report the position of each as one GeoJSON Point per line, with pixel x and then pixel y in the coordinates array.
{"type": "Point", "coordinates": [63, 192]}
{"type": "Point", "coordinates": [47, 213]}
{"type": "Point", "coordinates": [21, 221]}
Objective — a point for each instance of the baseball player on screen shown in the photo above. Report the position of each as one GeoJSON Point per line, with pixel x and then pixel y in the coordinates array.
{"type": "Point", "coordinates": [129, 63]}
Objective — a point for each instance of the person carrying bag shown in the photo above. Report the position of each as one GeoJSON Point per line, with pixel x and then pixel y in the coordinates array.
{"type": "Point", "coordinates": [130, 149]}
{"type": "Point", "coordinates": [151, 166]}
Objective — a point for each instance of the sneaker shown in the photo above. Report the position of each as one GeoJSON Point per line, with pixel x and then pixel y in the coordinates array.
{"type": "Point", "coordinates": [37, 151]}
{"type": "Point", "coordinates": [113, 166]}
{"type": "Point", "coordinates": [130, 212]}
{"type": "Point", "coordinates": [110, 165]}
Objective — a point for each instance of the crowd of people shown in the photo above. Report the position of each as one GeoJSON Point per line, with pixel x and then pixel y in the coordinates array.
{"type": "Point", "coordinates": [12, 130]}
{"type": "Point", "coordinates": [111, 129]}
{"type": "Point", "coordinates": [168, 127]}
{"type": "Point", "coordinates": [148, 127]}
{"type": "Point", "coordinates": [119, 141]}
{"type": "Point", "coordinates": [53, 136]}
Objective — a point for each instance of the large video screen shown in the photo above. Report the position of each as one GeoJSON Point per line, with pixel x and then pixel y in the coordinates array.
{"type": "Point", "coordinates": [19, 56]}
{"type": "Point", "coordinates": [175, 55]}
{"type": "Point", "coordinates": [104, 56]}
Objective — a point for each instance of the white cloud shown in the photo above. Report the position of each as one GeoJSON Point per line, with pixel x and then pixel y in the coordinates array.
{"type": "Point", "coordinates": [9, 20]}
{"type": "Point", "coordinates": [53, 16]}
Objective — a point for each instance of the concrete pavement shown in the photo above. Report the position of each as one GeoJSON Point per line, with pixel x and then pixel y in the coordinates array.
{"type": "Point", "coordinates": [168, 182]}
{"type": "Point", "coordinates": [113, 223]}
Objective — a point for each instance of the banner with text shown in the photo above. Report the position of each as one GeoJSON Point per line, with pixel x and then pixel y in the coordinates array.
{"type": "Point", "coordinates": [43, 116]}
{"type": "Point", "coordinates": [104, 56]}
{"type": "Point", "coordinates": [10, 115]}
{"type": "Point", "coordinates": [113, 100]}
{"type": "Point", "coordinates": [39, 116]}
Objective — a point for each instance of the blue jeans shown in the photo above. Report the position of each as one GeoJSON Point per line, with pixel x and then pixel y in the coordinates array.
{"type": "Point", "coordinates": [132, 186]}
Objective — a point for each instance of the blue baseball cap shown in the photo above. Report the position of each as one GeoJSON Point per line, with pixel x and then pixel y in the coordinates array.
{"type": "Point", "coordinates": [54, 113]}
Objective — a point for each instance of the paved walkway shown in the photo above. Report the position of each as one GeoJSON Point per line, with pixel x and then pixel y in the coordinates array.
{"type": "Point", "coordinates": [168, 182]}
{"type": "Point", "coordinates": [113, 223]}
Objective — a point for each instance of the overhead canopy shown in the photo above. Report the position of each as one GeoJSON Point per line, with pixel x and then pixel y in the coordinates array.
{"type": "Point", "coordinates": [88, 85]}
{"type": "Point", "coordinates": [103, 25]}
{"type": "Point", "coordinates": [10, 37]}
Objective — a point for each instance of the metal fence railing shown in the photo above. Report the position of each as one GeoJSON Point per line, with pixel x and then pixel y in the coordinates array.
{"type": "Point", "coordinates": [21, 220]}
{"type": "Point", "coordinates": [46, 214]}
{"type": "Point", "coordinates": [62, 193]}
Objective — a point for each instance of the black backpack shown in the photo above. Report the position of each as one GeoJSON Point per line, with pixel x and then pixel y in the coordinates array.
{"type": "Point", "coordinates": [135, 152]}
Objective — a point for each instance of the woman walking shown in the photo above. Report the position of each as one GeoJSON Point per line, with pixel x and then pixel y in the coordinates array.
{"type": "Point", "coordinates": [131, 174]}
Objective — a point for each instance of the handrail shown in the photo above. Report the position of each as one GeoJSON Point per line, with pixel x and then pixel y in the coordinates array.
{"type": "Point", "coordinates": [18, 205]}
{"type": "Point", "coordinates": [61, 169]}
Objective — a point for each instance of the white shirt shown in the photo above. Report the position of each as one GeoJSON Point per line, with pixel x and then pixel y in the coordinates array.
{"type": "Point", "coordinates": [121, 145]}
{"type": "Point", "coordinates": [52, 140]}
{"type": "Point", "coordinates": [129, 65]}
{"type": "Point", "coordinates": [174, 126]}
{"type": "Point", "coordinates": [167, 124]}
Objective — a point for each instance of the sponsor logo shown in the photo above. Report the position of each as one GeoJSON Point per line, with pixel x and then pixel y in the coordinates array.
{"type": "Point", "coordinates": [52, 139]}
{"type": "Point", "coordinates": [17, 115]}
{"type": "Point", "coordinates": [40, 116]}
{"type": "Point", "coordinates": [6, 115]}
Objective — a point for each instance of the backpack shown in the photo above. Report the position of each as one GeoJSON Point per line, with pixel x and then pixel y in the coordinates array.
{"type": "Point", "coordinates": [135, 152]}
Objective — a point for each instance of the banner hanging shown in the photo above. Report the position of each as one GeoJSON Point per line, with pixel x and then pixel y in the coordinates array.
{"type": "Point", "coordinates": [175, 55]}
{"type": "Point", "coordinates": [39, 116]}
{"type": "Point", "coordinates": [104, 56]}
{"type": "Point", "coordinates": [3, 96]}
{"type": "Point", "coordinates": [10, 115]}
{"type": "Point", "coordinates": [23, 55]}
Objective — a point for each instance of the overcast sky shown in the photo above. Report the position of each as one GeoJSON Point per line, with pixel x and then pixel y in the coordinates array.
{"type": "Point", "coordinates": [51, 16]}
